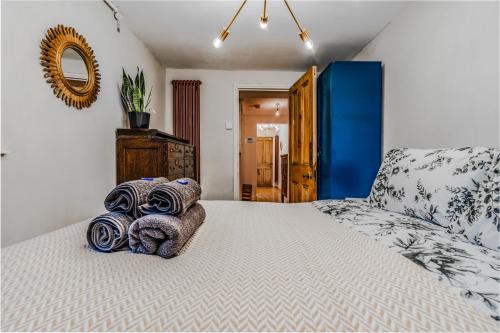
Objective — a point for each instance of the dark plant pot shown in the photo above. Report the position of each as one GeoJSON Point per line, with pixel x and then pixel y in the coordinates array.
{"type": "Point", "coordinates": [138, 119]}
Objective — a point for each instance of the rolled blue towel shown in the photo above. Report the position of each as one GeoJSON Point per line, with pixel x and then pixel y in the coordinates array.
{"type": "Point", "coordinates": [173, 198]}
{"type": "Point", "coordinates": [165, 235]}
{"type": "Point", "coordinates": [127, 197]}
{"type": "Point", "coordinates": [109, 232]}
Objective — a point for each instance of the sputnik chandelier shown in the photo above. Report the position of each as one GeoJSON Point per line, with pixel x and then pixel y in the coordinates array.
{"type": "Point", "coordinates": [303, 34]}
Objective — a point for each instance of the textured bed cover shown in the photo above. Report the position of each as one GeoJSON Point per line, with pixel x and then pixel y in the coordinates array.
{"type": "Point", "coordinates": [470, 270]}
{"type": "Point", "coordinates": [251, 266]}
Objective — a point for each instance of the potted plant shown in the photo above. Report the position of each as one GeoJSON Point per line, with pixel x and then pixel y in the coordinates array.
{"type": "Point", "coordinates": [134, 99]}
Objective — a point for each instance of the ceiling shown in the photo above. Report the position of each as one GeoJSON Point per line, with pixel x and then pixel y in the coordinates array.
{"type": "Point", "coordinates": [263, 103]}
{"type": "Point", "coordinates": [180, 33]}
{"type": "Point", "coordinates": [264, 106]}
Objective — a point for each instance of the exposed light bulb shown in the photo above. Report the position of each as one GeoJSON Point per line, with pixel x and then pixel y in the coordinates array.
{"type": "Point", "coordinates": [309, 44]}
{"type": "Point", "coordinates": [263, 22]}
{"type": "Point", "coordinates": [304, 35]}
{"type": "Point", "coordinates": [277, 112]}
{"type": "Point", "coordinates": [221, 38]}
{"type": "Point", "coordinates": [217, 42]}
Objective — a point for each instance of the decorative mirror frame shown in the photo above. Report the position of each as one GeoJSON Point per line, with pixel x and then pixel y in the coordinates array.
{"type": "Point", "coordinates": [56, 41]}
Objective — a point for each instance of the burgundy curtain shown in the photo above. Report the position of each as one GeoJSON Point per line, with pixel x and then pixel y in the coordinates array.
{"type": "Point", "coordinates": [186, 100]}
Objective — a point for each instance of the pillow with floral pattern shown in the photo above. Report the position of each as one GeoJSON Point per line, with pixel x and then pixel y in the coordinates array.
{"type": "Point", "coordinates": [486, 231]}
{"type": "Point", "coordinates": [442, 186]}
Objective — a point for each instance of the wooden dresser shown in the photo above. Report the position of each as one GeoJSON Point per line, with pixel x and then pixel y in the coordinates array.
{"type": "Point", "coordinates": [144, 153]}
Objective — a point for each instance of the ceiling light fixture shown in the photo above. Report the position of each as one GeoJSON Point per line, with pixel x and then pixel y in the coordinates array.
{"type": "Point", "coordinates": [277, 109]}
{"type": "Point", "coordinates": [303, 33]}
{"type": "Point", "coordinates": [225, 30]}
{"type": "Point", "coordinates": [264, 17]}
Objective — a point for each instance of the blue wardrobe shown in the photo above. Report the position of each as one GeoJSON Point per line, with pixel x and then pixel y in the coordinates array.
{"type": "Point", "coordinates": [349, 119]}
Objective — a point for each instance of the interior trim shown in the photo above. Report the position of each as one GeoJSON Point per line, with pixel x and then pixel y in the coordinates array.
{"type": "Point", "coordinates": [236, 125]}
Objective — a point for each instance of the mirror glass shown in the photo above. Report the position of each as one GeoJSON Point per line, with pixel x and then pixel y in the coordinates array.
{"type": "Point", "coordinates": [74, 68]}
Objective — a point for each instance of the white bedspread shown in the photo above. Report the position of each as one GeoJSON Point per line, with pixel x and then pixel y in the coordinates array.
{"type": "Point", "coordinates": [251, 266]}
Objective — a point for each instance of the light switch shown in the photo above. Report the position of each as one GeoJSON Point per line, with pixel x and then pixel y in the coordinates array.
{"type": "Point", "coordinates": [229, 125]}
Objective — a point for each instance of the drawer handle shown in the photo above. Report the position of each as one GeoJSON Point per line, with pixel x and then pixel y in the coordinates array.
{"type": "Point", "coordinates": [175, 148]}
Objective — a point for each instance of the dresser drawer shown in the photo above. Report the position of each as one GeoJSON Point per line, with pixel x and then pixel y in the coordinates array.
{"type": "Point", "coordinates": [188, 151]}
{"type": "Point", "coordinates": [189, 168]}
{"type": "Point", "coordinates": [175, 169]}
{"type": "Point", "coordinates": [175, 150]}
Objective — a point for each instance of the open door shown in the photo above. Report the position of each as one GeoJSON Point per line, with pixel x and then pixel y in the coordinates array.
{"type": "Point", "coordinates": [302, 138]}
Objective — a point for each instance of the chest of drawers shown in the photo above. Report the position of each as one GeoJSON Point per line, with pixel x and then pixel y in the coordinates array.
{"type": "Point", "coordinates": [144, 153]}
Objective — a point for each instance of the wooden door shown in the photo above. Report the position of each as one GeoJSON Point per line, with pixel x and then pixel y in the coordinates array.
{"type": "Point", "coordinates": [264, 161]}
{"type": "Point", "coordinates": [276, 158]}
{"type": "Point", "coordinates": [302, 138]}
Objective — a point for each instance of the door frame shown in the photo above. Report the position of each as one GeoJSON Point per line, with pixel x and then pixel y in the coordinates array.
{"type": "Point", "coordinates": [236, 125]}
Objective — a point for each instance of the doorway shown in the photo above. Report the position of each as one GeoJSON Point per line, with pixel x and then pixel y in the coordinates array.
{"type": "Point", "coordinates": [263, 141]}
{"type": "Point", "coordinates": [298, 167]}
{"type": "Point", "coordinates": [272, 148]}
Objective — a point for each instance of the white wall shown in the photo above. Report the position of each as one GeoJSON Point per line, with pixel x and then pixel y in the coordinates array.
{"type": "Point", "coordinates": [440, 75]}
{"type": "Point", "coordinates": [217, 107]}
{"type": "Point", "coordinates": [62, 161]}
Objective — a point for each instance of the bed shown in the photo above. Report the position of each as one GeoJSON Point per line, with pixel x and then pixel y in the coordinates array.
{"type": "Point", "coordinates": [471, 271]}
{"type": "Point", "coordinates": [249, 267]}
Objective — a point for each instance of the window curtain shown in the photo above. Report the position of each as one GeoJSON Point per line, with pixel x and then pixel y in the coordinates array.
{"type": "Point", "coordinates": [186, 109]}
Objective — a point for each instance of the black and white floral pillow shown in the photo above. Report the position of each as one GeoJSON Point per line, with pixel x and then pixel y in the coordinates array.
{"type": "Point", "coordinates": [486, 231]}
{"type": "Point", "coordinates": [453, 188]}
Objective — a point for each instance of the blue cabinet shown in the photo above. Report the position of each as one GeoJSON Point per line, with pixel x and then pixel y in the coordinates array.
{"type": "Point", "coordinates": [349, 119]}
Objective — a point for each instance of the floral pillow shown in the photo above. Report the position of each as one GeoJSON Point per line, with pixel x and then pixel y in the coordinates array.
{"type": "Point", "coordinates": [486, 231]}
{"type": "Point", "coordinates": [448, 187]}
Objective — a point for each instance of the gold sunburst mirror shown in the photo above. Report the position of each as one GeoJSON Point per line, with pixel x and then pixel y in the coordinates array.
{"type": "Point", "coordinates": [70, 66]}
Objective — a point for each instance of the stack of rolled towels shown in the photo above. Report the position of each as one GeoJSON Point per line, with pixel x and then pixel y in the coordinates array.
{"type": "Point", "coordinates": [150, 216]}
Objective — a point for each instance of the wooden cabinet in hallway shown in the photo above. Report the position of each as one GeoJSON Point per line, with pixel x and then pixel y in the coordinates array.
{"type": "Point", "coordinates": [264, 161]}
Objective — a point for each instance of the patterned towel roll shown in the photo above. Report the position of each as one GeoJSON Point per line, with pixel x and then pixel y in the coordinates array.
{"type": "Point", "coordinates": [165, 235]}
{"type": "Point", "coordinates": [172, 198]}
{"type": "Point", "coordinates": [109, 232]}
{"type": "Point", "coordinates": [128, 196]}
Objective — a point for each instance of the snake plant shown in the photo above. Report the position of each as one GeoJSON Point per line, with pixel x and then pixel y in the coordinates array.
{"type": "Point", "coordinates": [133, 93]}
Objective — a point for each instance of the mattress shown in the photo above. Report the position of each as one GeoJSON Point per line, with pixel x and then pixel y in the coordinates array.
{"type": "Point", "coordinates": [250, 267]}
{"type": "Point", "coordinates": [471, 271]}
